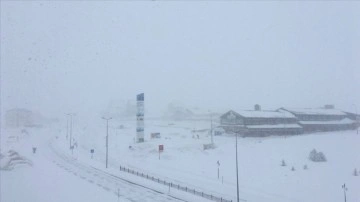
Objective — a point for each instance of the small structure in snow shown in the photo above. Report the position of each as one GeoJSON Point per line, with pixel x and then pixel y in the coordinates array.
{"type": "Point", "coordinates": [208, 146]}
{"type": "Point", "coordinates": [155, 135]}
{"type": "Point", "coordinates": [218, 131]}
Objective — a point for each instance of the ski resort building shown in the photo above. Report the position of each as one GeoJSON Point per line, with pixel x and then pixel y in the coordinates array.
{"type": "Point", "coordinates": [284, 121]}
{"type": "Point", "coordinates": [18, 117]}
{"type": "Point", "coordinates": [323, 119]}
{"type": "Point", "coordinates": [260, 123]}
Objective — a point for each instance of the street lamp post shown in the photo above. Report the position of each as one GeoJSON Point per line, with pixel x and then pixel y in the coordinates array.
{"type": "Point", "coordinates": [237, 170]}
{"type": "Point", "coordinates": [71, 124]}
{"type": "Point", "coordinates": [67, 127]}
{"type": "Point", "coordinates": [211, 131]}
{"type": "Point", "coordinates": [107, 138]}
{"type": "Point", "coordinates": [345, 189]}
{"type": "Point", "coordinates": [218, 173]}
{"type": "Point", "coordinates": [232, 118]}
{"type": "Point", "coordinates": [356, 119]}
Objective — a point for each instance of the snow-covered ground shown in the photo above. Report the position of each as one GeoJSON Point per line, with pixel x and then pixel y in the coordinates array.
{"type": "Point", "coordinates": [54, 176]}
{"type": "Point", "coordinates": [261, 176]}
{"type": "Point", "coordinates": [43, 181]}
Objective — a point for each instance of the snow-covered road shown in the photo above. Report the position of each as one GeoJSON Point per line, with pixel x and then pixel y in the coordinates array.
{"type": "Point", "coordinates": [120, 187]}
{"type": "Point", "coordinates": [57, 176]}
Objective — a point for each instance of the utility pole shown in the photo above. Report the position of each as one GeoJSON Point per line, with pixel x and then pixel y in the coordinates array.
{"type": "Point", "coordinates": [17, 117]}
{"type": "Point", "coordinates": [237, 171]}
{"type": "Point", "coordinates": [356, 120]}
{"type": "Point", "coordinates": [232, 117]}
{"type": "Point", "coordinates": [218, 163]}
{"type": "Point", "coordinates": [211, 131]}
{"type": "Point", "coordinates": [71, 124]}
{"type": "Point", "coordinates": [107, 138]}
{"type": "Point", "coordinates": [357, 123]}
{"type": "Point", "coordinates": [67, 127]}
{"type": "Point", "coordinates": [345, 189]}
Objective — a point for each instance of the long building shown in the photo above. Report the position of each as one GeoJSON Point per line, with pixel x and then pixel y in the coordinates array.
{"type": "Point", "coordinates": [323, 119]}
{"type": "Point", "coordinates": [260, 123]}
{"type": "Point", "coordinates": [287, 121]}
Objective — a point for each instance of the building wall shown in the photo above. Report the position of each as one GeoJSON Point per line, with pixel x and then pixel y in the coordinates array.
{"type": "Point", "coordinates": [269, 121]}
{"type": "Point", "coordinates": [306, 117]}
{"type": "Point", "coordinates": [328, 127]}
{"type": "Point", "coordinates": [242, 122]}
{"type": "Point", "coordinates": [274, 131]}
{"type": "Point", "coordinates": [234, 122]}
{"type": "Point", "coordinates": [18, 118]}
{"type": "Point", "coordinates": [231, 119]}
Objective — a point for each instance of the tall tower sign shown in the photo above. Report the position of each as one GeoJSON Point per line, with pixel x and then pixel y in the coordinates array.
{"type": "Point", "coordinates": [140, 118]}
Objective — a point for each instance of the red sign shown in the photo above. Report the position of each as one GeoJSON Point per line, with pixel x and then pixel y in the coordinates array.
{"type": "Point", "coordinates": [161, 147]}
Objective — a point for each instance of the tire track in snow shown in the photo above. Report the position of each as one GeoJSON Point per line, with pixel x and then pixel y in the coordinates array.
{"type": "Point", "coordinates": [105, 180]}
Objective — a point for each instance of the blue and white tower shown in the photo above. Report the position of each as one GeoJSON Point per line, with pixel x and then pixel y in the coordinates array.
{"type": "Point", "coordinates": [140, 118]}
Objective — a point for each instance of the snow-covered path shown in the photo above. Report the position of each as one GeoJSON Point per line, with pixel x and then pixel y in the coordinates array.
{"type": "Point", "coordinates": [109, 182]}
{"type": "Point", "coordinates": [45, 181]}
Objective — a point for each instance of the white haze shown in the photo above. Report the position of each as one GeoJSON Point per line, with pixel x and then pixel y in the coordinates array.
{"type": "Point", "coordinates": [70, 56]}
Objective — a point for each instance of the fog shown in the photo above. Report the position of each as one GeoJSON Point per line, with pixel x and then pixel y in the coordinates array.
{"type": "Point", "coordinates": [66, 56]}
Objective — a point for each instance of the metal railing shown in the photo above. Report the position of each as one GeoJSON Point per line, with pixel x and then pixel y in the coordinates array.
{"type": "Point", "coordinates": [176, 186]}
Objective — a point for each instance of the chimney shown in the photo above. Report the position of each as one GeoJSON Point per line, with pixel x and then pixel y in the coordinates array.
{"type": "Point", "coordinates": [329, 107]}
{"type": "Point", "coordinates": [257, 107]}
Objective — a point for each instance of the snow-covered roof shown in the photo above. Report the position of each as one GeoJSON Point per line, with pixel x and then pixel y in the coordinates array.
{"type": "Point", "coordinates": [274, 126]}
{"type": "Point", "coordinates": [315, 111]}
{"type": "Point", "coordinates": [340, 122]}
{"type": "Point", "coordinates": [265, 114]}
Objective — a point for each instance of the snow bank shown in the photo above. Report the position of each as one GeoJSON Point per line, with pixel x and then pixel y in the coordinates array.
{"type": "Point", "coordinates": [12, 159]}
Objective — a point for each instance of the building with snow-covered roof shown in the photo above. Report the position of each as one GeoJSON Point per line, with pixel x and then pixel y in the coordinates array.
{"type": "Point", "coordinates": [322, 119]}
{"type": "Point", "coordinates": [260, 122]}
{"type": "Point", "coordinates": [18, 117]}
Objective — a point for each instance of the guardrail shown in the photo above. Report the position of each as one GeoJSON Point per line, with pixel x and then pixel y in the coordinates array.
{"type": "Point", "coordinates": [176, 186]}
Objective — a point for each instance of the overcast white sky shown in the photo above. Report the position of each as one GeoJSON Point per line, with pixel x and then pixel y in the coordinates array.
{"type": "Point", "coordinates": [66, 56]}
